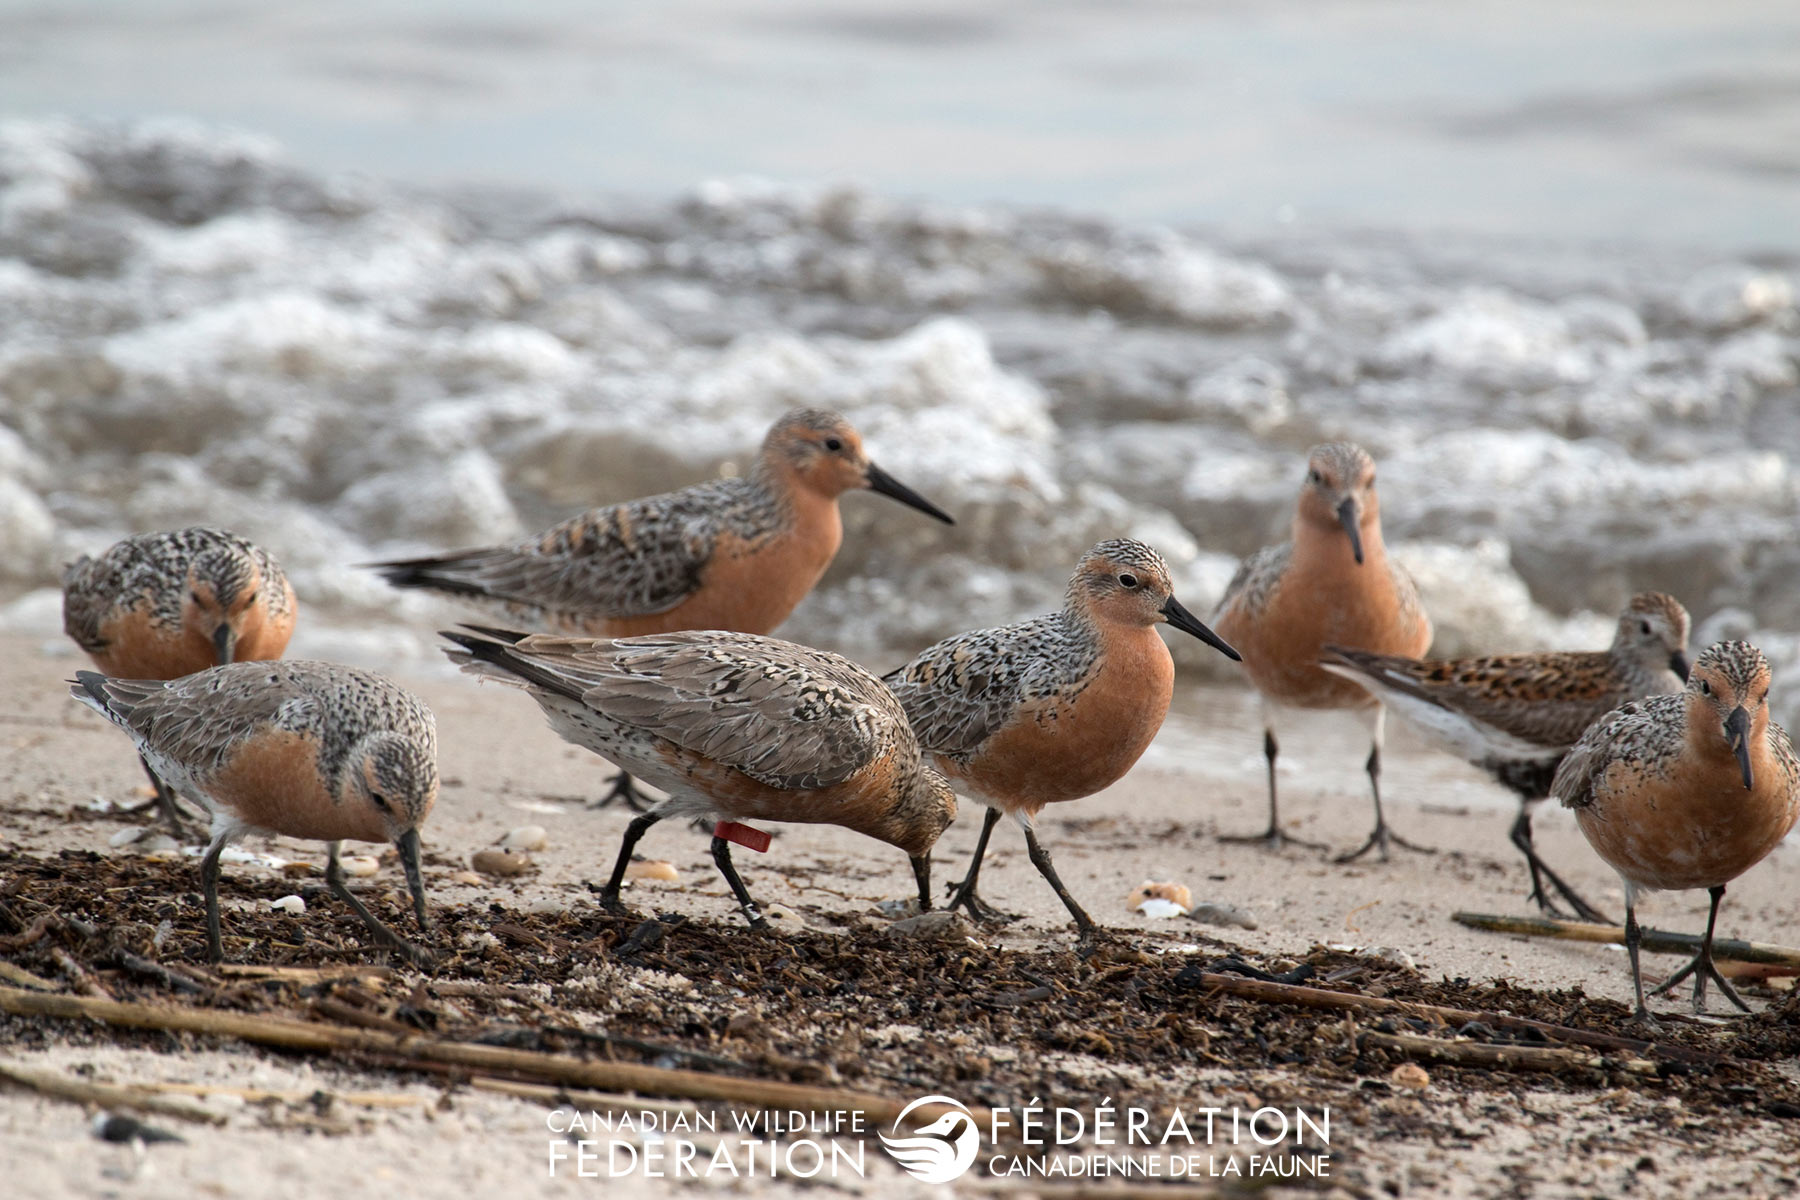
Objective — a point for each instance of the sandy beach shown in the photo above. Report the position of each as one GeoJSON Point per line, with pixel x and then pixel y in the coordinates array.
{"type": "Point", "coordinates": [503, 769]}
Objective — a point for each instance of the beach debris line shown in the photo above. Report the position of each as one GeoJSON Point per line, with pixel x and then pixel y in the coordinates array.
{"type": "Point", "coordinates": [404, 1048]}
{"type": "Point", "coordinates": [1273, 991]}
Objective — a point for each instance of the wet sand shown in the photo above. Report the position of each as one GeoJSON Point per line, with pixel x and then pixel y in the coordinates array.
{"type": "Point", "coordinates": [502, 769]}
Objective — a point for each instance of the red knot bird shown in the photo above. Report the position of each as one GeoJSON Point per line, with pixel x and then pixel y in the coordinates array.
{"type": "Point", "coordinates": [734, 726]}
{"type": "Point", "coordinates": [1332, 583]}
{"type": "Point", "coordinates": [164, 605]}
{"type": "Point", "coordinates": [1053, 708]}
{"type": "Point", "coordinates": [1516, 715]}
{"type": "Point", "coordinates": [303, 749]}
{"type": "Point", "coordinates": [1686, 791]}
{"type": "Point", "coordinates": [731, 554]}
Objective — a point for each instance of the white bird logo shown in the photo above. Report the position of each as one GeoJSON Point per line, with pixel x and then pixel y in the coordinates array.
{"type": "Point", "coordinates": [928, 1158]}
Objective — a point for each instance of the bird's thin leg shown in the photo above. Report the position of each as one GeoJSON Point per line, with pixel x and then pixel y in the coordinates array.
{"type": "Point", "coordinates": [209, 886]}
{"type": "Point", "coordinates": [721, 851]}
{"type": "Point", "coordinates": [625, 789]}
{"type": "Point", "coordinates": [1381, 835]}
{"type": "Point", "coordinates": [334, 879]}
{"type": "Point", "coordinates": [962, 893]}
{"type": "Point", "coordinates": [1540, 871]}
{"type": "Point", "coordinates": [1273, 837]}
{"type": "Point", "coordinates": [609, 895]}
{"type": "Point", "coordinates": [1633, 938]}
{"type": "Point", "coordinates": [1040, 858]}
{"type": "Point", "coordinates": [1702, 967]}
{"type": "Point", "coordinates": [922, 872]}
{"type": "Point", "coordinates": [166, 800]}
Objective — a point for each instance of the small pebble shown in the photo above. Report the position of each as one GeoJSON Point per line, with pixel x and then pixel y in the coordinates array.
{"type": "Point", "coordinates": [359, 865]}
{"type": "Point", "coordinates": [298, 870]}
{"type": "Point", "coordinates": [934, 924]}
{"type": "Point", "coordinates": [662, 871]}
{"type": "Point", "coordinates": [468, 878]}
{"type": "Point", "coordinates": [898, 910]}
{"type": "Point", "coordinates": [159, 843]}
{"type": "Point", "coordinates": [782, 914]}
{"type": "Point", "coordinates": [288, 904]}
{"type": "Point", "coordinates": [126, 837]}
{"type": "Point", "coordinates": [1221, 914]}
{"type": "Point", "coordinates": [1410, 1075]}
{"type": "Point", "coordinates": [502, 864]}
{"type": "Point", "coordinates": [526, 837]}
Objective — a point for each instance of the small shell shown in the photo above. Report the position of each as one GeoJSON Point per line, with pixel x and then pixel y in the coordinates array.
{"type": "Point", "coordinates": [289, 904]}
{"type": "Point", "coordinates": [502, 864]}
{"type": "Point", "coordinates": [661, 871]}
{"type": "Point", "coordinates": [359, 865]}
{"type": "Point", "coordinates": [1174, 893]}
{"type": "Point", "coordinates": [299, 870]}
{"type": "Point", "coordinates": [467, 878]}
{"type": "Point", "coordinates": [1158, 909]}
{"type": "Point", "coordinates": [1410, 1075]}
{"type": "Point", "coordinates": [526, 837]}
{"type": "Point", "coordinates": [781, 914]}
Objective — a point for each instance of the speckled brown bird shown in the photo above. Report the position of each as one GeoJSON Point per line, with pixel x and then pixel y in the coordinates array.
{"type": "Point", "coordinates": [164, 605]}
{"type": "Point", "coordinates": [732, 554]}
{"type": "Point", "coordinates": [1516, 715]}
{"type": "Point", "coordinates": [734, 726]}
{"type": "Point", "coordinates": [1331, 584]}
{"type": "Point", "coordinates": [1686, 791]}
{"type": "Point", "coordinates": [1054, 708]}
{"type": "Point", "coordinates": [304, 749]}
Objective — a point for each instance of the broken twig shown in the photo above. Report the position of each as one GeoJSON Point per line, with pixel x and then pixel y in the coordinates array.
{"type": "Point", "coordinates": [1656, 941]}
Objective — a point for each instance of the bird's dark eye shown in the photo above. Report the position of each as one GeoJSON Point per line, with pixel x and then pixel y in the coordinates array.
{"type": "Point", "coordinates": [380, 801]}
{"type": "Point", "coordinates": [195, 597]}
{"type": "Point", "coordinates": [834, 444]}
{"type": "Point", "coordinates": [1314, 477]}
{"type": "Point", "coordinates": [1645, 626]}
{"type": "Point", "coordinates": [1128, 580]}
{"type": "Point", "coordinates": [251, 598]}
{"type": "Point", "coordinates": [1705, 688]}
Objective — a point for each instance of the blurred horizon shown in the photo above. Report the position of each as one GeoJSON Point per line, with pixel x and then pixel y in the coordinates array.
{"type": "Point", "coordinates": [1665, 124]}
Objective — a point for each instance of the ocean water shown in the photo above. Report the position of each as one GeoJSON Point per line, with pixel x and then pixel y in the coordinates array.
{"type": "Point", "coordinates": [194, 327]}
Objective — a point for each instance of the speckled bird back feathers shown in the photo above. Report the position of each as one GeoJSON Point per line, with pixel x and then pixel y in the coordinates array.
{"type": "Point", "coordinates": [200, 720]}
{"type": "Point", "coordinates": [634, 559]}
{"type": "Point", "coordinates": [959, 692]}
{"type": "Point", "coordinates": [150, 572]}
{"type": "Point", "coordinates": [786, 715]}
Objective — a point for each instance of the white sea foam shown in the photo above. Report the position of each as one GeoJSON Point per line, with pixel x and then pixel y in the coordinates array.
{"type": "Point", "coordinates": [197, 330]}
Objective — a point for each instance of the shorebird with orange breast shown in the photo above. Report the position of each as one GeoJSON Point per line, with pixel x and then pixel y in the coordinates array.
{"type": "Point", "coordinates": [735, 727]}
{"type": "Point", "coordinates": [733, 554]}
{"type": "Point", "coordinates": [303, 749]}
{"type": "Point", "coordinates": [1686, 791]}
{"type": "Point", "coordinates": [1053, 708]}
{"type": "Point", "coordinates": [1516, 715]}
{"type": "Point", "coordinates": [164, 605]}
{"type": "Point", "coordinates": [1331, 584]}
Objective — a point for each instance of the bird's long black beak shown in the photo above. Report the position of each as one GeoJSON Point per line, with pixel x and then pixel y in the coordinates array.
{"type": "Point", "coordinates": [224, 642]}
{"type": "Point", "coordinates": [887, 485]}
{"type": "Point", "coordinates": [1187, 622]}
{"type": "Point", "coordinates": [1678, 663]}
{"type": "Point", "coordinates": [408, 844]}
{"type": "Point", "coordinates": [1347, 518]}
{"type": "Point", "coordinates": [1737, 734]}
